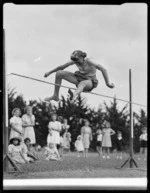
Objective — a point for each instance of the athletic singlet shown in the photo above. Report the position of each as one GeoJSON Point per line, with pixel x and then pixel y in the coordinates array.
{"type": "Point", "coordinates": [88, 69]}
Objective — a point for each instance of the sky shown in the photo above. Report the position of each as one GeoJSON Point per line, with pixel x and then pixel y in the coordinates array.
{"type": "Point", "coordinates": [39, 38]}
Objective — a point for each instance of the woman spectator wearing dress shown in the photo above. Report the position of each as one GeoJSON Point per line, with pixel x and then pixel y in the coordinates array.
{"type": "Point", "coordinates": [106, 139]}
{"type": "Point", "coordinates": [28, 121]}
{"type": "Point", "coordinates": [86, 134]}
{"type": "Point", "coordinates": [15, 150]}
{"type": "Point", "coordinates": [54, 131]}
{"type": "Point", "coordinates": [16, 124]}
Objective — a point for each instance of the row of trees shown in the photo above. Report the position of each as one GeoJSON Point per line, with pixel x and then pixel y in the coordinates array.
{"type": "Point", "coordinates": [76, 113]}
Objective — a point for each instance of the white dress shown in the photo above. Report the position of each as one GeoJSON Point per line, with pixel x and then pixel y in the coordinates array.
{"type": "Point", "coordinates": [106, 139]}
{"type": "Point", "coordinates": [79, 145]}
{"type": "Point", "coordinates": [143, 137]}
{"type": "Point", "coordinates": [14, 152]}
{"type": "Point", "coordinates": [86, 133]}
{"type": "Point", "coordinates": [99, 135]}
{"type": "Point", "coordinates": [67, 140]}
{"type": "Point", "coordinates": [18, 123]}
{"type": "Point", "coordinates": [29, 131]}
{"type": "Point", "coordinates": [55, 127]}
{"type": "Point", "coordinates": [51, 153]}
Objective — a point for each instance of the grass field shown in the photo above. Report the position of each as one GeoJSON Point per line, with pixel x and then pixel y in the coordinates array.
{"type": "Point", "coordinates": [73, 167]}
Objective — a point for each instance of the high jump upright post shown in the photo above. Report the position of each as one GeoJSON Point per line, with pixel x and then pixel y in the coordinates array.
{"type": "Point", "coordinates": [131, 159]}
{"type": "Point", "coordinates": [5, 107]}
{"type": "Point", "coordinates": [6, 158]}
{"type": "Point", "coordinates": [131, 118]}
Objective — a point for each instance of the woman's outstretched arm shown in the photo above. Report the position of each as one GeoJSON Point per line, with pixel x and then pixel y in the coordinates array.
{"type": "Point", "coordinates": [105, 74]}
{"type": "Point", "coordinates": [61, 67]}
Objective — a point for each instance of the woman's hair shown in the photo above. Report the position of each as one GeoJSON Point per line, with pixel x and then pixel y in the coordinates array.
{"type": "Point", "coordinates": [77, 53]}
{"type": "Point", "coordinates": [59, 118]}
{"type": "Point", "coordinates": [68, 134]}
{"type": "Point", "coordinates": [86, 120]}
{"type": "Point", "coordinates": [108, 123]}
{"type": "Point", "coordinates": [79, 136]}
{"type": "Point", "coordinates": [119, 132]}
{"type": "Point", "coordinates": [26, 108]}
{"type": "Point", "coordinates": [144, 129]}
{"type": "Point", "coordinates": [54, 114]}
{"type": "Point", "coordinates": [15, 109]}
{"type": "Point", "coordinates": [27, 139]}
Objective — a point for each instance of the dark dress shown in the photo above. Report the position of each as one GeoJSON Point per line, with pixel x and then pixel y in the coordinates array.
{"type": "Point", "coordinates": [119, 144]}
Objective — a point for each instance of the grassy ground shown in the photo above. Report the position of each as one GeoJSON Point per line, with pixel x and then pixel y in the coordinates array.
{"type": "Point", "coordinates": [73, 167]}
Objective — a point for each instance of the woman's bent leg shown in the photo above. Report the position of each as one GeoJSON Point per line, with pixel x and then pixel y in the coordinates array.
{"type": "Point", "coordinates": [69, 76]}
{"type": "Point", "coordinates": [83, 85]}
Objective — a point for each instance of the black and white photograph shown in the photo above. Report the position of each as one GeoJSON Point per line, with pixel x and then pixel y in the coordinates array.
{"type": "Point", "coordinates": [75, 96]}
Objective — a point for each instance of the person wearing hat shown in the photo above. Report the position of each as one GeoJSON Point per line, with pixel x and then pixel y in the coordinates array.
{"type": "Point", "coordinates": [28, 120]}
{"type": "Point", "coordinates": [16, 124]}
{"type": "Point", "coordinates": [15, 150]}
{"type": "Point", "coordinates": [85, 78]}
{"type": "Point", "coordinates": [79, 145]}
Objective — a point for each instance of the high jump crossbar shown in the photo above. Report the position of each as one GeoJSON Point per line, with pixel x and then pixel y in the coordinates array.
{"type": "Point", "coordinates": [27, 77]}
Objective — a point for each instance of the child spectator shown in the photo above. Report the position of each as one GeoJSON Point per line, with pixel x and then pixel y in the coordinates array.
{"type": "Point", "coordinates": [54, 131]}
{"type": "Point", "coordinates": [143, 141]}
{"type": "Point", "coordinates": [79, 145]}
{"type": "Point", "coordinates": [25, 153]}
{"type": "Point", "coordinates": [16, 124]}
{"type": "Point", "coordinates": [119, 145]}
{"type": "Point", "coordinates": [61, 149]}
{"type": "Point", "coordinates": [66, 142]}
{"type": "Point", "coordinates": [51, 152]}
{"type": "Point", "coordinates": [65, 126]}
{"type": "Point", "coordinates": [64, 139]}
{"type": "Point", "coordinates": [30, 150]}
{"type": "Point", "coordinates": [99, 141]}
{"type": "Point", "coordinates": [28, 121]}
{"type": "Point", "coordinates": [106, 139]}
{"type": "Point", "coordinates": [15, 150]}
{"type": "Point", "coordinates": [86, 134]}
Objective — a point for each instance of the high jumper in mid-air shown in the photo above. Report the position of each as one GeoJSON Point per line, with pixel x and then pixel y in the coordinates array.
{"type": "Point", "coordinates": [85, 78]}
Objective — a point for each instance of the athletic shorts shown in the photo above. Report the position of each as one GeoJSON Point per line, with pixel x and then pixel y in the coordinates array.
{"type": "Point", "coordinates": [143, 143]}
{"type": "Point", "coordinates": [81, 77]}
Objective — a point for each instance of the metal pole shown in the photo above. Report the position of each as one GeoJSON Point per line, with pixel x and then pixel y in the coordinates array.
{"type": "Point", "coordinates": [131, 119]}
{"type": "Point", "coordinates": [5, 108]}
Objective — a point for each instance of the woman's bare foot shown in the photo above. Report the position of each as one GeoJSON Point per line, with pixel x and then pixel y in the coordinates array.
{"type": "Point", "coordinates": [52, 98]}
{"type": "Point", "coordinates": [73, 99]}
